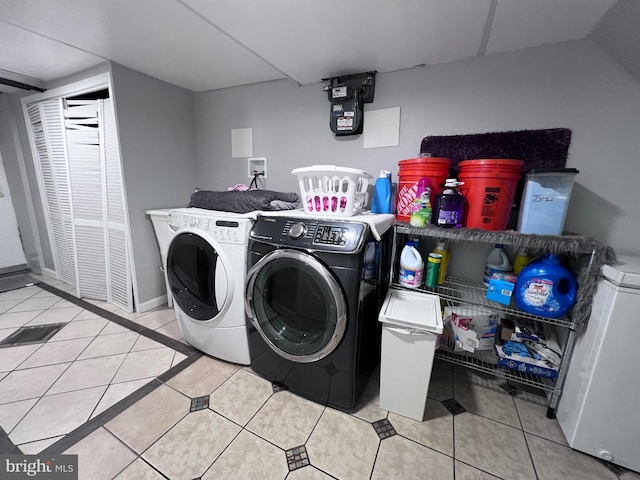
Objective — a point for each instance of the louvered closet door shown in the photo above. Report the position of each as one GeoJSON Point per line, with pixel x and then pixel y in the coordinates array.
{"type": "Point", "coordinates": [86, 167]}
{"type": "Point", "coordinates": [47, 124]}
{"type": "Point", "coordinates": [119, 273]}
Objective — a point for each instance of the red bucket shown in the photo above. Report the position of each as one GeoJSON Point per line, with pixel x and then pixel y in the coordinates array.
{"type": "Point", "coordinates": [409, 174]}
{"type": "Point", "coordinates": [489, 189]}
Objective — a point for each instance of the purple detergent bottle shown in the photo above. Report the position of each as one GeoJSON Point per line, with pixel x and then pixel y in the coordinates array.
{"type": "Point", "coordinates": [449, 205]}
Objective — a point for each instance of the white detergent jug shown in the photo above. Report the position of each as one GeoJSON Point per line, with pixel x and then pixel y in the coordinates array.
{"type": "Point", "coordinates": [497, 263]}
{"type": "Point", "coordinates": [411, 267]}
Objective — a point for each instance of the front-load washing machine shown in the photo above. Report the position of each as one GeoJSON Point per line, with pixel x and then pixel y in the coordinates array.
{"type": "Point", "coordinates": [206, 267]}
{"type": "Point", "coordinates": [313, 304]}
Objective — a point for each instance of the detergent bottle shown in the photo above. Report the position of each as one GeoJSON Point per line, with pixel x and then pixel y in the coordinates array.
{"type": "Point", "coordinates": [411, 267]}
{"type": "Point", "coordinates": [441, 248]}
{"type": "Point", "coordinates": [497, 263]}
{"type": "Point", "coordinates": [521, 260]}
{"type": "Point", "coordinates": [544, 287]}
{"type": "Point", "coordinates": [382, 193]}
{"type": "Point", "coordinates": [370, 261]}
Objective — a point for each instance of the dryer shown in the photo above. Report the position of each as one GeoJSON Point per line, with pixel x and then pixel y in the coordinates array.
{"type": "Point", "coordinates": [206, 267]}
{"type": "Point", "coordinates": [313, 312]}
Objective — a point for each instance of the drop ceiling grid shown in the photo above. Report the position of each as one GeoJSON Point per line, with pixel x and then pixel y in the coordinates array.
{"type": "Point", "coordinates": [517, 25]}
{"type": "Point", "coordinates": [161, 38]}
{"type": "Point", "coordinates": [332, 38]}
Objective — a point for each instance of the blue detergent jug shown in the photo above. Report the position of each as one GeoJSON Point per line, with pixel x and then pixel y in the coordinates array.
{"type": "Point", "coordinates": [382, 194]}
{"type": "Point", "coordinates": [544, 287]}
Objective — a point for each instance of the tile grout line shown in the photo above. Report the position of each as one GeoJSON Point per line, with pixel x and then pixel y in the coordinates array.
{"type": "Point", "coordinates": [524, 436]}
{"type": "Point", "coordinates": [123, 322]}
{"type": "Point", "coordinates": [102, 418]}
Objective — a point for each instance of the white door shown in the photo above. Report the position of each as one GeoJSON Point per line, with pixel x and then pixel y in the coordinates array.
{"type": "Point", "coordinates": [11, 253]}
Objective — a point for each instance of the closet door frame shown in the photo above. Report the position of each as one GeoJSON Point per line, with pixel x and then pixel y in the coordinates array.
{"type": "Point", "coordinates": [88, 85]}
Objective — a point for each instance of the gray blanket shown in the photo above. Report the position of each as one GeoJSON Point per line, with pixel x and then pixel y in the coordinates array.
{"type": "Point", "coordinates": [244, 202]}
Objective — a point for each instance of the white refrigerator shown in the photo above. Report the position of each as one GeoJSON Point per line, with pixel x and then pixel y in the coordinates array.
{"type": "Point", "coordinates": [598, 410]}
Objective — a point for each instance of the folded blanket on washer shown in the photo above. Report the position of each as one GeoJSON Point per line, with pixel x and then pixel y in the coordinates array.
{"type": "Point", "coordinates": [244, 202]}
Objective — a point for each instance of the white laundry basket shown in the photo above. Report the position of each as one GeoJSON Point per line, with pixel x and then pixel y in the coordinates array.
{"type": "Point", "coordinates": [332, 190]}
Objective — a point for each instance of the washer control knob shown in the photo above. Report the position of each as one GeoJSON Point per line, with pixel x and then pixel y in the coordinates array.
{"type": "Point", "coordinates": [298, 230]}
{"type": "Point", "coordinates": [194, 221]}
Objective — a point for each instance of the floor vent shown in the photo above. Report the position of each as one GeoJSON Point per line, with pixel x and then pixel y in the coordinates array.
{"type": "Point", "coordinates": [30, 335]}
{"type": "Point", "coordinates": [297, 457]}
{"type": "Point", "coordinates": [14, 282]}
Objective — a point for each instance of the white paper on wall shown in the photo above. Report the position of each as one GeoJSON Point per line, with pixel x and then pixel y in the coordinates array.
{"type": "Point", "coordinates": [241, 142]}
{"type": "Point", "coordinates": [382, 128]}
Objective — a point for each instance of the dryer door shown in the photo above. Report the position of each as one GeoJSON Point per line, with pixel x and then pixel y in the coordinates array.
{"type": "Point", "coordinates": [198, 277]}
{"type": "Point", "coordinates": [296, 305]}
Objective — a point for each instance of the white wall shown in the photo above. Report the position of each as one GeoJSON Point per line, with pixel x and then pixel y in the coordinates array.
{"type": "Point", "coordinates": [572, 85]}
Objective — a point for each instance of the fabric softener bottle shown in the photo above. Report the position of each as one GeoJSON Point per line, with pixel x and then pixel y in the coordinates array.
{"type": "Point", "coordinates": [546, 288]}
{"type": "Point", "coordinates": [382, 193]}
{"type": "Point", "coordinates": [449, 205]}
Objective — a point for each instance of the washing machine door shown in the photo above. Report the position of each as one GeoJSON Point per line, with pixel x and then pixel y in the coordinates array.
{"type": "Point", "coordinates": [296, 305]}
{"type": "Point", "coordinates": [198, 276]}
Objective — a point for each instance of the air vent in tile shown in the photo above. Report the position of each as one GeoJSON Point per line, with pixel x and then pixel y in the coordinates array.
{"type": "Point", "coordinates": [30, 335]}
{"type": "Point", "coordinates": [199, 403]}
{"type": "Point", "coordinates": [297, 457]}
{"type": "Point", "coordinates": [384, 429]}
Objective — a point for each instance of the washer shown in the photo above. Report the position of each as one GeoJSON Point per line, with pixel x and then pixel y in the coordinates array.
{"type": "Point", "coordinates": [206, 267]}
{"type": "Point", "coordinates": [313, 317]}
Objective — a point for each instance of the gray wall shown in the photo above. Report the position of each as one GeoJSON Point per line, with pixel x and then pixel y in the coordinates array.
{"type": "Point", "coordinates": [156, 125]}
{"type": "Point", "coordinates": [571, 85]}
{"type": "Point", "coordinates": [14, 144]}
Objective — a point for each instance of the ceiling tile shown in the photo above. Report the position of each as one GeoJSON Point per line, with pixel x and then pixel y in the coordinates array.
{"type": "Point", "coordinates": [530, 23]}
{"type": "Point", "coordinates": [161, 38]}
{"type": "Point", "coordinates": [314, 40]}
{"type": "Point", "coordinates": [32, 55]}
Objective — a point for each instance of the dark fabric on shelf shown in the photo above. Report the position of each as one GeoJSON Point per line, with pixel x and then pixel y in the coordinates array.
{"type": "Point", "coordinates": [547, 148]}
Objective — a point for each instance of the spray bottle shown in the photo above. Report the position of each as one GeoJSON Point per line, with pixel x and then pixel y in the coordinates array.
{"type": "Point", "coordinates": [421, 206]}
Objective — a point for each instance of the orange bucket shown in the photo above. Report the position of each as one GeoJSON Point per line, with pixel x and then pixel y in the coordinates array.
{"type": "Point", "coordinates": [489, 189]}
{"type": "Point", "coordinates": [409, 174]}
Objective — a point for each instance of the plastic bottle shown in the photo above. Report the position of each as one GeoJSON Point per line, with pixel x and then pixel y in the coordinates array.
{"type": "Point", "coordinates": [421, 207]}
{"type": "Point", "coordinates": [441, 248]}
{"type": "Point", "coordinates": [433, 268]}
{"type": "Point", "coordinates": [382, 193]}
{"type": "Point", "coordinates": [544, 287]}
{"type": "Point", "coordinates": [411, 267]}
{"type": "Point", "coordinates": [370, 261]}
{"type": "Point", "coordinates": [497, 262]}
{"type": "Point", "coordinates": [521, 260]}
{"type": "Point", "coordinates": [449, 205]}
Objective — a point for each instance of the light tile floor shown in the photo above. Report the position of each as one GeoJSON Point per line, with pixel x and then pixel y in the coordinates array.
{"type": "Point", "coordinates": [49, 389]}
{"type": "Point", "coordinates": [248, 428]}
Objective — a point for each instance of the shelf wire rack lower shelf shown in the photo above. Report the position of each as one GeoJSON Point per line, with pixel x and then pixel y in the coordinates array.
{"type": "Point", "coordinates": [485, 362]}
{"type": "Point", "coordinates": [457, 290]}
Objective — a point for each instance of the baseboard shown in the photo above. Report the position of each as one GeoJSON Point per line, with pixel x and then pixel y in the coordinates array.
{"type": "Point", "coordinates": [13, 269]}
{"type": "Point", "coordinates": [151, 304]}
